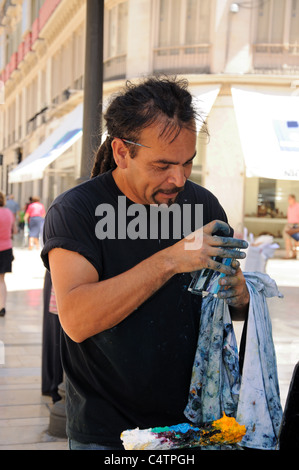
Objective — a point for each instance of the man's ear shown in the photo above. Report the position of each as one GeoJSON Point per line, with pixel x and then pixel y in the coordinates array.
{"type": "Point", "coordinates": [120, 153]}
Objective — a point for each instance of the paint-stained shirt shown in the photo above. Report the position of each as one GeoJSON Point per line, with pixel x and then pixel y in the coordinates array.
{"type": "Point", "coordinates": [136, 374]}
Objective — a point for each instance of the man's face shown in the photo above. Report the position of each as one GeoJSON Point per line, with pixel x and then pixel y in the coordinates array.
{"type": "Point", "coordinates": [157, 174]}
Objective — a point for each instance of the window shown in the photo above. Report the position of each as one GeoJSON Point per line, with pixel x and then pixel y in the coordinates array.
{"type": "Point", "coordinates": [277, 36]}
{"type": "Point", "coordinates": [117, 27]}
{"type": "Point", "coordinates": [26, 17]}
{"type": "Point", "coordinates": [35, 7]}
{"type": "Point", "coordinates": [184, 22]}
{"type": "Point", "coordinates": [79, 57]}
{"type": "Point", "coordinates": [294, 27]}
{"type": "Point", "coordinates": [266, 203]}
{"type": "Point", "coordinates": [182, 41]}
{"type": "Point", "coordinates": [56, 79]}
{"type": "Point", "coordinates": [266, 197]}
{"type": "Point", "coordinates": [115, 43]}
{"type": "Point", "coordinates": [169, 27]}
{"type": "Point", "coordinates": [270, 22]}
{"type": "Point", "coordinates": [197, 22]}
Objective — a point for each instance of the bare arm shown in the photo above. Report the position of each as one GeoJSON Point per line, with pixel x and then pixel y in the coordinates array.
{"type": "Point", "coordinates": [87, 306]}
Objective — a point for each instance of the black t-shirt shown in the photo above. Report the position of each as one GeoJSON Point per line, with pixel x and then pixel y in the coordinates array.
{"type": "Point", "coordinates": [136, 374]}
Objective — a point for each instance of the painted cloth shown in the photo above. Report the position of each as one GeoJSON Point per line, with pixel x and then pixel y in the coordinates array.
{"type": "Point", "coordinates": [216, 384]}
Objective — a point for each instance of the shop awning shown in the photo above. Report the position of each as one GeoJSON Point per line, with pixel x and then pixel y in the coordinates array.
{"type": "Point", "coordinates": [67, 133]}
{"type": "Point", "coordinates": [269, 132]}
{"type": "Point", "coordinates": [203, 100]}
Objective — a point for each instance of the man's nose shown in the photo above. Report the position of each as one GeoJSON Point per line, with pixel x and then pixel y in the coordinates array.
{"type": "Point", "coordinates": [177, 176]}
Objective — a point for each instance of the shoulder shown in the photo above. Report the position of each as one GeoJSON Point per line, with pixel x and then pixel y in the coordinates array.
{"type": "Point", "coordinates": [83, 198]}
{"type": "Point", "coordinates": [199, 193]}
{"type": "Point", "coordinates": [78, 195]}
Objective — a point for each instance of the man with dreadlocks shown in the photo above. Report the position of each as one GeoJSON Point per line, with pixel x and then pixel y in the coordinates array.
{"type": "Point", "coordinates": [130, 324]}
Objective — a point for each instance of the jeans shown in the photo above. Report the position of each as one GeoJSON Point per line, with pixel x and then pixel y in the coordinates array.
{"type": "Point", "coordinates": [75, 445]}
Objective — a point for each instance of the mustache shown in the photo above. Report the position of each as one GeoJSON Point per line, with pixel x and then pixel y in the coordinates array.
{"type": "Point", "coordinates": [175, 189]}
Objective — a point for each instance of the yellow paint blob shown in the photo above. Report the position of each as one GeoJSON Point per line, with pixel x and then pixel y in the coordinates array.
{"type": "Point", "coordinates": [227, 431]}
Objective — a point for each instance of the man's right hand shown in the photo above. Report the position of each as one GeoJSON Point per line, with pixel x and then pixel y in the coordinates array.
{"type": "Point", "coordinates": [198, 249]}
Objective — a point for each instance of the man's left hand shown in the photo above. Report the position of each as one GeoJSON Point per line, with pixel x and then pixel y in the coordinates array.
{"type": "Point", "coordinates": [234, 291]}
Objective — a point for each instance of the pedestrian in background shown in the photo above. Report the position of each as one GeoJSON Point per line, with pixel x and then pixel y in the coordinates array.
{"type": "Point", "coordinates": [293, 221]}
{"type": "Point", "coordinates": [7, 227]}
{"type": "Point", "coordinates": [35, 214]}
{"type": "Point", "coordinates": [12, 205]}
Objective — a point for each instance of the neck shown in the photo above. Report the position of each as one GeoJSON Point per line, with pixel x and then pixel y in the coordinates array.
{"type": "Point", "coordinates": [121, 183]}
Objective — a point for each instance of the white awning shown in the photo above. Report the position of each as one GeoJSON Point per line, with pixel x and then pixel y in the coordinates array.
{"type": "Point", "coordinates": [67, 133]}
{"type": "Point", "coordinates": [269, 132]}
{"type": "Point", "coordinates": [203, 100]}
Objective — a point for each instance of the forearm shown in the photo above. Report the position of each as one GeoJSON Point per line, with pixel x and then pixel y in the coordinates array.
{"type": "Point", "coordinates": [88, 306]}
{"type": "Point", "coordinates": [239, 313]}
{"type": "Point", "coordinates": [91, 308]}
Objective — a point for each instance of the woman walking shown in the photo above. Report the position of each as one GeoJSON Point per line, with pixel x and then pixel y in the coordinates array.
{"type": "Point", "coordinates": [6, 255]}
{"type": "Point", "coordinates": [35, 214]}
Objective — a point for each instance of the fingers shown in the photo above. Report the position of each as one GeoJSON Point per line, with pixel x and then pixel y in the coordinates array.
{"type": "Point", "coordinates": [217, 265]}
{"type": "Point", "coordinates": [228, 253]}
{"type": "Point", "coordinates": [212, 251]}
{"type": "Point", "coordinates": [233, 289]}
{"type": "Point", "coordinates": [217, 226]}
{"type": "Point", "coordinates": [229, 242]}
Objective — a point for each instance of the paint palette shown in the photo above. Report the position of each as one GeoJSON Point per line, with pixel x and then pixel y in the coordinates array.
{"type": "Point", "coordinates": [224, 431]}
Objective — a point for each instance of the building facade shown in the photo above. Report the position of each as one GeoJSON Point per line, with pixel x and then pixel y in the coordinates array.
{"type": "Point", "coordinates": [242, 63]}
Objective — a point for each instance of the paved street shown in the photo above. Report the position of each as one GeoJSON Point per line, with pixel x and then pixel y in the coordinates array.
{"type": "Point", "coordinates": [24, 412]}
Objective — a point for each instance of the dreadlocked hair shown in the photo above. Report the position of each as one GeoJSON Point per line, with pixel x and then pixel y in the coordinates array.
{"type": "Point", "coordinates": [157, 99]}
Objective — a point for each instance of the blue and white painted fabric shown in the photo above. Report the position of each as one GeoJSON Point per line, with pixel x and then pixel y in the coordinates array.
{"type": "Point", "coordinates": [216, 384]}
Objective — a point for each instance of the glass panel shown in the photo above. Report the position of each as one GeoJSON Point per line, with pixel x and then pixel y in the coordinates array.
{"type": "Point", "coordinates": [294, 27]}
{"type": "Point", "coordinates": [175, 22]}
{"type": "Point", "coordinates": [163, 23]}
{"type": "Point", "coordinates": [266, 197]}
{"type": "Point", "coordinates": [122, 28]}
{"type": "Point", "coordinates": [112, 32]}
{"type": "Point", "coordinates": [263, 22]}
{"type": "Point", "coordinates": [277, 21]}
{"type": "Point", "coordinates": [191, 17]}
{"type": "Point", "coordinates": [197, 22]}
{"type": "Point", "coordinates": [204, 22]}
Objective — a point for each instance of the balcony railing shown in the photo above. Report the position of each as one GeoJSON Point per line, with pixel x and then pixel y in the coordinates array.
{"type": "Point", "coordinates": [276, 58]}
{"type": "Point", "coordinates": [194, 58]}
{"type": "Point", "coordinates": [45, 13]}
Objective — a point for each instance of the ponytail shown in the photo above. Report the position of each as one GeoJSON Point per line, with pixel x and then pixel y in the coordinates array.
{"type": "Point", "coordinates": [104, 160]}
